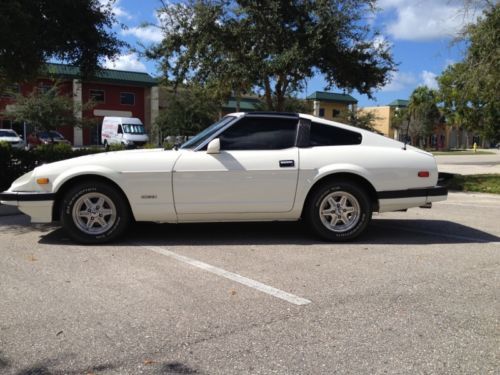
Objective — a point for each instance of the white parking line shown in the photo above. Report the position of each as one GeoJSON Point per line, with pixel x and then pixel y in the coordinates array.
{"type": "Point", "coordinates": [231, 276]}
{"type": "Point", "coordinates": [437, 234]}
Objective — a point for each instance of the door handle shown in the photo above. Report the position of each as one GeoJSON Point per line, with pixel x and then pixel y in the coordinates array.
{"type": "Point", "coordinates": [287, 163]}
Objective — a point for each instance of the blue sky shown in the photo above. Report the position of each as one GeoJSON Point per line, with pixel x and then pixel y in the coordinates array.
{"type": "Point", "coordinates": [420, 32]}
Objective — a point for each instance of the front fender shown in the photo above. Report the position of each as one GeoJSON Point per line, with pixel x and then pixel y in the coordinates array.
{"type": "Point", "coordinates": [83, 170]}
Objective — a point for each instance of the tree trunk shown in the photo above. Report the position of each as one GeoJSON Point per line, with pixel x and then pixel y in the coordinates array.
{"type": "Point", "coordinates": [269, 97]}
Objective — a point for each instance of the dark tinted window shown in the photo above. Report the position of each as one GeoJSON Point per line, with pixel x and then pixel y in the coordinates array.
{"type": "Point", "coordinates": [327, 135]}
{"type": "Point", "coordinates": [260, 133]}
{"type": "Point", "coordinates": [127, 98]}
{"type": "Point", "coordinates": [97, 96]}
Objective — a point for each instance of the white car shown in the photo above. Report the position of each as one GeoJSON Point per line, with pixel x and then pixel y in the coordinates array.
{"type": "Point", "coordinates": [246, 167]}
{"type": "Point", "coordinates": [11, 137]}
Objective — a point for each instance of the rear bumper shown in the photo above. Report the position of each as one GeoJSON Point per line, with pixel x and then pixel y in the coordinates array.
{"type": "Point", "coordinates": [396, 200]}
{"type": "Point", "coordinates": [37, 205]}
{"type": "Point", "coordinates": [435, 191]}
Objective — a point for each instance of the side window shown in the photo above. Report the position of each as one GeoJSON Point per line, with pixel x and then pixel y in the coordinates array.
{"type": "Point", "coordinates": [327, 135]}
{"type": "Point", "coordinates": [260, 133]}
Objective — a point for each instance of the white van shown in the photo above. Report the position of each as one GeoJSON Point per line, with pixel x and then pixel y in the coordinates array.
{"type": "Point", "coordinates": [128, 131]}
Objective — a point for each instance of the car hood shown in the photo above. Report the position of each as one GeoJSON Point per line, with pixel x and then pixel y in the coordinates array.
{"type": "Point", "coordinates": [10, 139]}
{"type": "Point", "coordinates": [117, 161]}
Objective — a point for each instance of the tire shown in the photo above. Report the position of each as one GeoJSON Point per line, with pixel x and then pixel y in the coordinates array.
{"type": "Point", "coordinates": [338, 211]}
{"type": "Point", "coordinates": [94, 212]}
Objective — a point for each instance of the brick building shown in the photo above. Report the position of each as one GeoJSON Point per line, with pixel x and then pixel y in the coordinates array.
{"type": "Point", "coordinates": [115, 92]}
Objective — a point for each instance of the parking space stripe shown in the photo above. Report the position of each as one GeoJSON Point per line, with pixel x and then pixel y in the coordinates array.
{"type": "Point", "coordinates": [291, 298]}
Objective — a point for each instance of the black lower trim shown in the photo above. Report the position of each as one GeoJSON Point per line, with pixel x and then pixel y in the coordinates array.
{"type": "Point", "coordinates": [411, 193]}
{"type": "Point", "coordinates": [26, 196]}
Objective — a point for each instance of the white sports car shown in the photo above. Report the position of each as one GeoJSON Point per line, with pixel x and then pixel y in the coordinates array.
{"type": "Point", "coordinates": [246, 167]}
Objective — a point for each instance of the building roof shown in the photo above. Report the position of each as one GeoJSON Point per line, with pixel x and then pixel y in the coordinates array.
{"type": "Point", "coordinates": [103, 75]}
{"type": "Point", "coordinates": [399, 103]}
{"type": "Point", "coordinates": [332, 97]}
{"type": "Point", "coordinates": [246, 104]}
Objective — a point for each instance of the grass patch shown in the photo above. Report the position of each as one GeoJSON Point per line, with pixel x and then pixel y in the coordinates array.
{"type": "Point", "coordinates": [462, 152]}
{"type": "Point", "coordinates": [481, 183]}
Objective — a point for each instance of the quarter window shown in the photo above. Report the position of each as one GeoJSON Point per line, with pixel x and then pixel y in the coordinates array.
{"type": "Point", "coordinates": [127, 98]}
{"type": "Point", "coordinates": [327, 135]}
{"type": "Point", "coordinates": [260, 133]}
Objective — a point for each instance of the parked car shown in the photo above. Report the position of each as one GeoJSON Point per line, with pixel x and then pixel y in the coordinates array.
{"type": "Point", "coordinates": [45, 138]}
{"type": "Point", "coordinates": [11, 137]}
{"type": "Point", "coordinates": [246, 167]}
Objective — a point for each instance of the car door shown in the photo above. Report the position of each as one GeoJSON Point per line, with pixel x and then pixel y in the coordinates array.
{"type": "Point", "coordinates": [255, 171]}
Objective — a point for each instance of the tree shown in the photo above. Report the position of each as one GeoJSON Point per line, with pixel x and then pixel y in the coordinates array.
{"type": "Point", "coordinates": [189, 110]}
{"type": "Point", "coordinates": [469, 89]}
{"type": "Point", "coordinates": [273, 45]}
{"type": "Point", "coordinates": [48, 110]}
{"type": "Point", "coordinates": [361, 119]}
{"type": "Point", "coordinates": [34, 31]}
{"type": "Point", "coordinates": [418, 120]}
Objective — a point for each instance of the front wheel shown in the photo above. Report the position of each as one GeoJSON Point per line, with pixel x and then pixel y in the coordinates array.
{"type": "Point", "coordinates": [338, 211]}
{"type": "Point", "coordinates": [94, 212]}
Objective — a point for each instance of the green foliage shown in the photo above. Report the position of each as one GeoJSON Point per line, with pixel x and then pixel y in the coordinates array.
{"type": "Point", "coordinates": [422, 115]}
{"type": "Point", "coordinates": [469, 89]}
{"type": "Point", "coordinates": [34, 31]}
{"type": "Point", "coordinates": [290, 104]}
{"type": "Point", "coordinates": [15, 162]}
{"type": "Point", "coordinates": [273, 45]}
{"type": "Point", "coordinates": [116, 147]}
{"type": "Point", "coordinates": [190, 109]}
{"type": "Point", "coordinates": [483, 183]}
{"type": "Point", "coordinates": [361, 119]}
{"type": "Point", "coordinates": [48, 110]}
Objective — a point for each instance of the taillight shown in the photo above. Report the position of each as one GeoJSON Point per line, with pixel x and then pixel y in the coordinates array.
{"type": "Point", "coordinates": [423, 174]}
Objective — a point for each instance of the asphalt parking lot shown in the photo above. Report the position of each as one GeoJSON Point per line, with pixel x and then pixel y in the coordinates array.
{"type": "Point", "coordinates": [419, 293]}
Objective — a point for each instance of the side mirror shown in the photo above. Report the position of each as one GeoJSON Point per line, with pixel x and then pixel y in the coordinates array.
{"type": "Point", "coordinates": [214, 146]}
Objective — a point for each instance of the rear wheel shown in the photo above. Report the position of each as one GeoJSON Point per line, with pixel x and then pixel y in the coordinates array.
{"type": "Point", "coordinates": [338, 211]}
{"type": "Point", "coordinates": [94, 212]}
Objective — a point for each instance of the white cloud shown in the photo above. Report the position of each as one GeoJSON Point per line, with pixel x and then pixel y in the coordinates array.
{"type": "Point", "coordinates": [117, 10]}
{"type": "Point", "coordinates": [128, 61]}
{"type": "Point", "coordinates": [145, 34]}
{"type": "Point", "coordinates": [429, 79]}
{"type": "Point", "coordinates": [399, 81]}
{"type": "Point", "coordinates": [426, 19]}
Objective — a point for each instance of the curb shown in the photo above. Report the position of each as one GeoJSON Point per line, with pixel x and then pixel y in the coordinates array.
{"type": "Point", "coordinates": [9, 210]}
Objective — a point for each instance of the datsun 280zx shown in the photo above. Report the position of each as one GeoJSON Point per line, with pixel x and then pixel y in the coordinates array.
{"type": "Point", "coordinates": [246, 167]}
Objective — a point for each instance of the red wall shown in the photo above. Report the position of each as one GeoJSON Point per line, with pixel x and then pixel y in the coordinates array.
{"type": "Point", "coordinates": [111, 102]}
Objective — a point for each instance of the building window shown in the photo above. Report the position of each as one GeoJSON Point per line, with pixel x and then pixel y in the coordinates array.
{"type": "Point", "coordinates": [97, 96]}
{"type": "Point", "coordinates": [10, 91]}
{"type": "Point", "coordinates": [44, 88]}
{"type": "Point", "coordinates": [321, 112]}
{"type": "Point", "coordinates": [127, 98]}
{"type": "Point", "coordinates": [335, 113]}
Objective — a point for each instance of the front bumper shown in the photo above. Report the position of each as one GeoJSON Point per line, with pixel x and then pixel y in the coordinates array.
{"type": "Point", "coordinates": [38, 205]}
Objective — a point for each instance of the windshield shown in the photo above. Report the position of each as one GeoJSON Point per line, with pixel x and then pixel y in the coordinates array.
{"type": "Point", "coordinates": [7, 133]}
{"type": "Point", "coordinates": [134, 128]}
{"type": "Point", "coordinates": [56, 135]}
{"type": "Point", "coordinates": [207, 133]}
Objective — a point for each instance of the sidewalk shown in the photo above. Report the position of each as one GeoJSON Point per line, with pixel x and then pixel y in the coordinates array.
{"type": "Point", "coordinates": [470, 164]}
